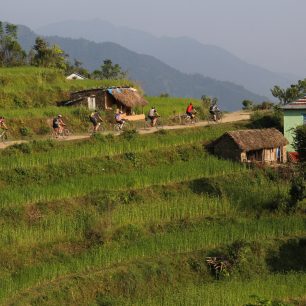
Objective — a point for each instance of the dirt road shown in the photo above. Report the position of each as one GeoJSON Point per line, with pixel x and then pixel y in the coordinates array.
{"type": "Point", "coordinates": [230, 117]}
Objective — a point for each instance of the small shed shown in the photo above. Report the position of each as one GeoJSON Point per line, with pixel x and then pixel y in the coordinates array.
{"type": "Point", "coordinates": [126, 99]}
{"type": "Point", "coordinates": [256, 145]}
{"type": "Point", "coordinates": [75, 76]}
{"type": "Point", "coordinates": [294, 115]}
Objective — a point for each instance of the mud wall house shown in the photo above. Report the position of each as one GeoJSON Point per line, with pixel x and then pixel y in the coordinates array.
{"type": "Point", "coordinates": [261, 145]}
{"type": "Point", "coordinates": [125, 99]}
{"type": "Point", "coordinates": [294, 115]}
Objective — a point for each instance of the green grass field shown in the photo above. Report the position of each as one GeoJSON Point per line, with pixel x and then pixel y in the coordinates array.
{"type": "Point", "coordinates": [28, 97]}
{"type": "Point", "coordinates": [130, 221]}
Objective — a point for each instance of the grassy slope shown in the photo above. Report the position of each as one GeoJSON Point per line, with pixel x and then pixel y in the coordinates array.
{"type": "Point", "coordinates": [28, 96]}
{"type": "Point", "coordinates": [123, 221]}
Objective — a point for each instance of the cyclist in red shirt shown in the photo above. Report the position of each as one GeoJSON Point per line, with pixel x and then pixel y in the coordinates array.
{"type": "Point", "coordinates": [189, 110]}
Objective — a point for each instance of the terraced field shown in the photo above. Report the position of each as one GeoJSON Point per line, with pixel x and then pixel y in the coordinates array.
{"type": "Point", "coordinates": [130, 220]}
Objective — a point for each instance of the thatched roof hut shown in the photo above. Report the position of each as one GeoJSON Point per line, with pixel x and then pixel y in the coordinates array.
{"type": "Point", "coordinates": [124, 98]}
{"type": "Point", "coordinates": [128, 97]}
{"type": "Point", "coordinates": [260, 145]}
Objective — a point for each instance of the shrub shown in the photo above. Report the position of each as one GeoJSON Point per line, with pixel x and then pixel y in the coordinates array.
{"type": "Point", "coordinates": [24, 131]}
{"type": "Point", "coordinates": [129, 134]}
{"type": "Point", "coordinates": [247, 104]}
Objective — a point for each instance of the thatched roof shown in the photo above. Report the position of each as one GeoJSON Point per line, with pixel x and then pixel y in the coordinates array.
{"type": "Point", "coordinates": [248, 140]}
{"type": "Point", "coordinates": [129, 97]}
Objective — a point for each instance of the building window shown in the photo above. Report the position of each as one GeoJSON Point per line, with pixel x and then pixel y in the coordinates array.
{"type": "Point", "coordinates": [304, 119]}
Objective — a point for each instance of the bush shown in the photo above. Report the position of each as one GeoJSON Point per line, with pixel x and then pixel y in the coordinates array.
{"type": "Point", "coordinates": [129, 134]}
{"type": "Point", "coordinates": [24, 131]}
{"type": "Point", "coordinates": [247, 104]}
{"type": "Point", "coordinates": [260, 120]}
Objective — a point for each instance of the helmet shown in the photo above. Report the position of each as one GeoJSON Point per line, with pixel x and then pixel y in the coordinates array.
{"type": "Point", "coordinates": [59, 116]}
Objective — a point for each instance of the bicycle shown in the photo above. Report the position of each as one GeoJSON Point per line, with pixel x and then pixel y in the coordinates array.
{"type": "Point", "coordinates": [118, 127]}
{"type": "Point", "coordinates": [158, 123]}
{"type": "Point", "coordinates": [211, 119]}
{"type": "Point", "coordinates": [65, 132]}
{"type": "Point", "coordinates": [3, 136]}
{"type": "Point", "coordinates": [189, 120]}
{"type": "Point", "coordinates": [100, 129]}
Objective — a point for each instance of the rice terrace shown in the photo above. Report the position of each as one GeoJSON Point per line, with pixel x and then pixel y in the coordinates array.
{"type": "Point", "coordinates": [110, 196]}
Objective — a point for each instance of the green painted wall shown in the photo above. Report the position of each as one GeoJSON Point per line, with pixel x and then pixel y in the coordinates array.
{"type": "Point", "coordinates": [292, 119]}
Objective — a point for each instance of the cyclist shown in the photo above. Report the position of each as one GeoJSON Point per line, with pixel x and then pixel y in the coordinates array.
{"type": "Point", "coordinates": [153, 115]}
{"type": "Point", "coordinates": [94, 118]}
{"type": "Point", "coordinates": [58, 125]}
{"type": "Point", "coordinates": [119, 120]}
{"type": "Point", "coordinates": [190, 110]}
{"type": "Point", "coordinates": [213, 109]}
{"type": "Point", "coordinates": [2, 124]}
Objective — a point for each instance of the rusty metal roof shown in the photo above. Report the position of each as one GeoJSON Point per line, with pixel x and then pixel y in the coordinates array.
{"type": "Point", "coordinates": [298, 104]}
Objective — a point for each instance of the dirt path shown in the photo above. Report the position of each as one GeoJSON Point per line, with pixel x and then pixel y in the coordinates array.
{"type": "Point", "coordinates": [230, 117]}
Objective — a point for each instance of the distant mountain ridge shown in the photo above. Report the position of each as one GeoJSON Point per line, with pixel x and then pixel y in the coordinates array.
{"type": "Point", "coordinates": [153, 75]}
{"type": "Point", "coordinates": [182, 53]}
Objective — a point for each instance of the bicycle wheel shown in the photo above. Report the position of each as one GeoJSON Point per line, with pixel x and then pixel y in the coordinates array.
{"type": "Point", "coordinates": [117, 127]}
{"type": "Point", "coordinates": [66, 132]}
{"type": "Point", "coordinates": [4, 136]}
{"type": "Point", "coordinates": [195, 120]}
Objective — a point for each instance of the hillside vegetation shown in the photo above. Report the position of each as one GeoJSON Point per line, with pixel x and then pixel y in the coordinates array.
{"type": "Point", "coordinates": [130, 220]}
{"type": "Point", "coordinates": [28, 97]}
{"type": "Point", "coordinates": [25, 87]}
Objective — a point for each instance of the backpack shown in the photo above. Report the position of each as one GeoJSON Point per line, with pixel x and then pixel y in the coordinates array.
{"type": "Point", "coordinates": [55, 121]}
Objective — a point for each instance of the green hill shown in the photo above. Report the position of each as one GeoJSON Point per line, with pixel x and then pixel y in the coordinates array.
{"type": "Point", "coordinates": [130, 220]}
{"type": "Point", "coordinates": [153, 75]}
{"type": "Point", "coordinates": [25, 87]}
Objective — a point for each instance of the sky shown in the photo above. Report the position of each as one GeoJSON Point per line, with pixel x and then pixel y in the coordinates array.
{"type": "Point", "coordinates": [268, 33]}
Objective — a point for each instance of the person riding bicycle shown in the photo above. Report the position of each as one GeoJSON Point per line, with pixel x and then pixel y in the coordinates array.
{"type": "Point", "coordinates": [153, 115]}
{"type": "Point", "coordinates": [190, 110]}
{"type": "Point", "coordinates": [2, 124]}
{"type": "Point", "coordinates": [213, 109]}
{"type": "Point", "coordinates": [94, 117]}
{"type": "Point", "coordinates": [58, 124]}
{"type": "Point", "coordinates": [119, 120]}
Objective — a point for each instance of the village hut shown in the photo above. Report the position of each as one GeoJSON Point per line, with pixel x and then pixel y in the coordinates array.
{"type": "Point", "coordinates": [75, 76]}
{"type": "Point", "coordinates": [125, 99]}
{"type": "Point", "coordinates": [256, 145]}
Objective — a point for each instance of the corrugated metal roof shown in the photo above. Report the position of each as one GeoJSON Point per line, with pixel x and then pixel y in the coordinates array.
{"type": "Point", "coordinates": [298, 104]}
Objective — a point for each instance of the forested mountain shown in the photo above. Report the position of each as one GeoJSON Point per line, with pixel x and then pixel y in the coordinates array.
{"type": "Point", "coordinates": [154, 76]}
{"type": "Point", "coordinates": [183, 53]}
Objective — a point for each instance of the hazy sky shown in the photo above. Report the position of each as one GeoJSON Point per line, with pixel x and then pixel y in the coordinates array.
{"type": "Point", "coordinates": [269, 33]}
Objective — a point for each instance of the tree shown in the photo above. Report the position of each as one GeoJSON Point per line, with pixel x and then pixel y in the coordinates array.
{"type": "Point", "coordinates": [299, 141]}
{"type": "Point", "coordinates": [77, 67]}
{"type": "Point", "coordinates": [290, 94]}
{"type": "Point", "coordinates": [247, 104]}
{"type": "Point", "coordinates": [109, 71]}
{"type": "Point", "coordinates": [45, 56]}
{"type": "Point", "coordinates": [11, 53]}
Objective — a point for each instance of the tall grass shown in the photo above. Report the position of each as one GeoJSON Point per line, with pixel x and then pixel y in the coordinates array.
{"type": "Point", "coordinates": [78, 186]}
{"type": "Point", "coordinates": [203, 236]}
{"type": "Point", "coordinates": [87, 149]}
{"type": "Point", "coordinates": [234, 293]}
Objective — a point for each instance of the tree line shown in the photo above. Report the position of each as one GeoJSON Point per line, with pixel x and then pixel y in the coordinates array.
{"type": "Point", "coordinates": [44, 55]}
